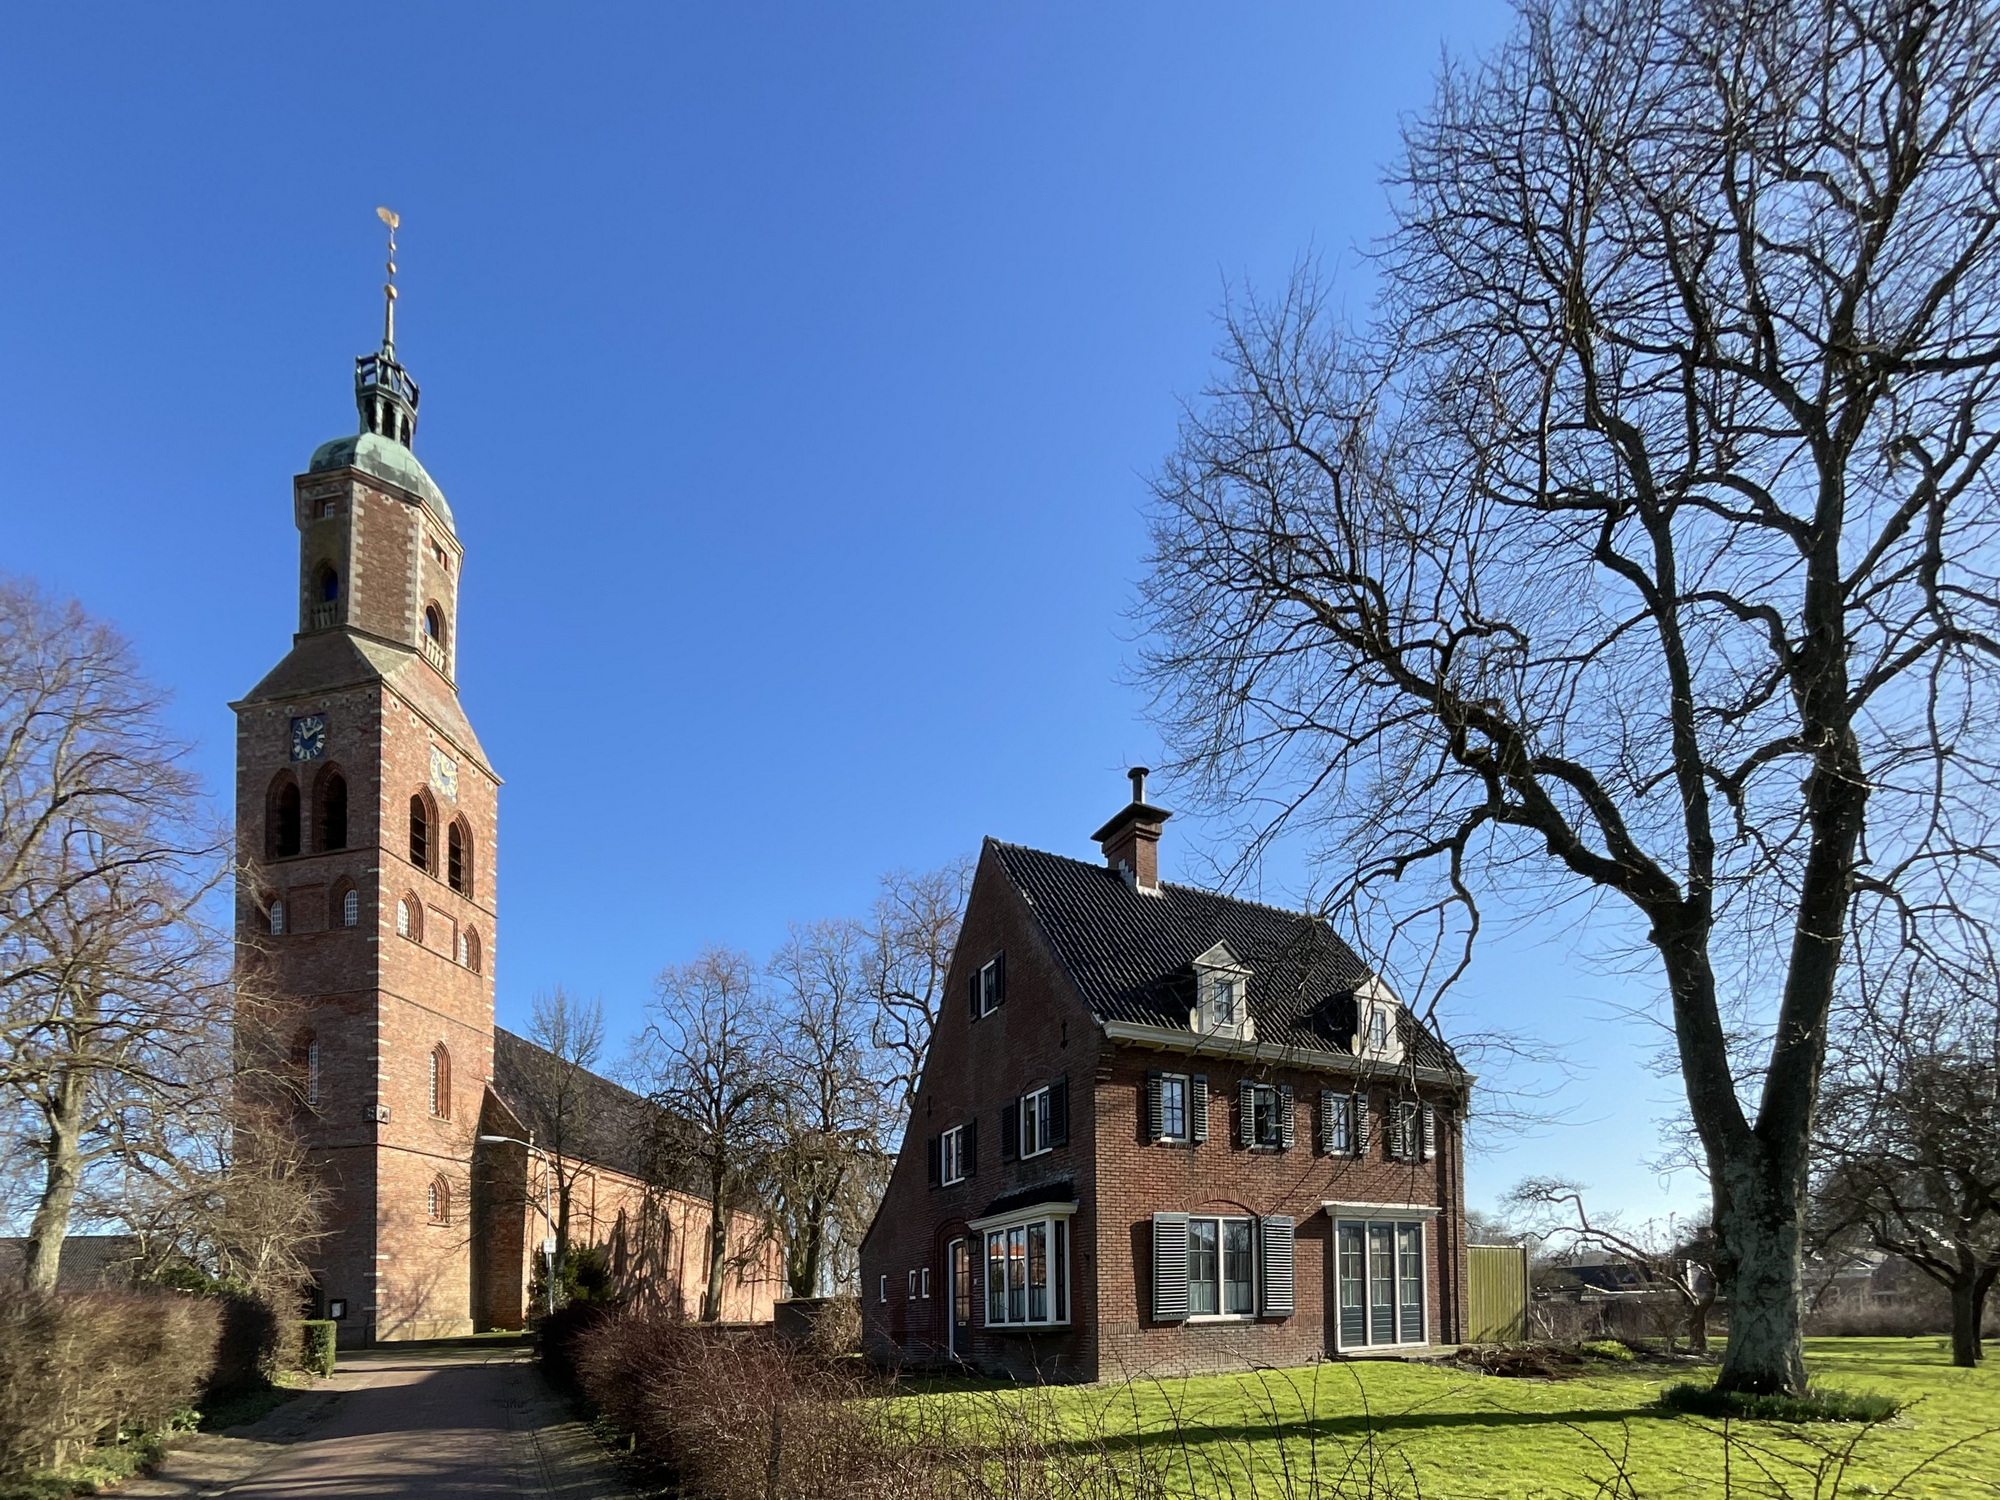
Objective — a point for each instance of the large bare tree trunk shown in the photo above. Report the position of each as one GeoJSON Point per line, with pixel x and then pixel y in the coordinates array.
{"type": "Point", "coordinates": [61, 1177]}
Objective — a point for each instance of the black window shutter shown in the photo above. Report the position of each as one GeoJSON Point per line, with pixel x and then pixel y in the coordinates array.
{"type": "Point", "coordinates": [968, 1147]}
{"type": "Point", "coordinates": [1360, 1124]}
{"type": "Point", "coordinates": [1285, 1137]}
{"type": "Point", "coordinates": [1274, 1246]}
{"type": "Point", "coordinates": [1010, 1130]}
{"type": "Point", "coordinates": [1156, 1115]}
{"type": "Point", "coordinates": [1329, 1104]}
{"type": "Point", "coordinates": [1170, 1281]}
{"type": "Point", "coordinates": [1246, 1113]}
{"type": "Point", "coordinates": [975, 993]}
{"type": "Point", "coordinates": [999, 976]}
{"type": "Point", "coordinates": [1059, 1112]}
{"type": "Point", "coordinates": [1428, 1144]}
{"type": "Point", "coordinates": [937, 1174]}
{"type": "Point", "coordinates": [1198, 1107]}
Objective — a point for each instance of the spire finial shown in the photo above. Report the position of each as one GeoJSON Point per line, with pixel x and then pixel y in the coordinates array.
{"type": "Point", "coordinates": [394, 220]}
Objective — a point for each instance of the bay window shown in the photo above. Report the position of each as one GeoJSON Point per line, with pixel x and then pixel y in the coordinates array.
{"type": "Point", "coordinates": [1027, 1270]}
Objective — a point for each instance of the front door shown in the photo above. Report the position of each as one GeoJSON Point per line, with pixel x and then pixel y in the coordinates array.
{"type": "Point", "coordinates": [961, 1298]}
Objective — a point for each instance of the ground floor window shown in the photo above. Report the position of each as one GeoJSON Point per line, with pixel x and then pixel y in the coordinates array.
{"type": "Point", "coordinates": [1027, 1273]}
{"type": "Point", "coordinates": [1379, 1264]}
{"type": "Point", "coordinates": [1220, 1278]}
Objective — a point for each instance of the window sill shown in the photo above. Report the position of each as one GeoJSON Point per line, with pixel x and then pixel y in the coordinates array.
{"type": "Point", "coordinates": [1036, 1155]}
{"type": "Point", "coordinates": [1209, 1320]}
{"type": "Point", "coordinates": [952, 1182]}
{"type": "Point", "coordinates": [1025, 1327]}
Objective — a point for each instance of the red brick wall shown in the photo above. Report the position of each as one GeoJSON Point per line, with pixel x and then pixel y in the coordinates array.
{"type": "Point", "coordinates": [1122, 1180]}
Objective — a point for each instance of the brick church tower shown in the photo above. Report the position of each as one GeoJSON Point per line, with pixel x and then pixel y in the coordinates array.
{"type": "Point", "coordinates": [366, 814]}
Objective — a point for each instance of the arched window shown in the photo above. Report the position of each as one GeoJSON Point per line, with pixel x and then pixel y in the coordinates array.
{"type": "Point", "coordinates": [277, 919]}
{"type": "Point", "coordinates": [468, 949]}
{"type": "Point", "coordinates": [439, 1201]}
{"type": "Point", "coordinates": [409, 919]}
{"type": "Point", "coordinates": [420, 832]}
{"type": "Point", "coordinates": [332, 810]}
{"type": "Point", "coordinates": [458, 858]}
{"type": "Point", "coordinates": [440, 1083]}
{"type": "Point", "coordinates": [350, 907]}
{"type": "Point", "coordinates": [329, 584]}
{"type": "Point", "coordinates": [285, 819]}
{"type": "Point", "coordinates": [434, 625]}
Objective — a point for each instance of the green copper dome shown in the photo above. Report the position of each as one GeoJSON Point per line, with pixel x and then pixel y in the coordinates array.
{"type": "Point", "coordinates": [386, 459]}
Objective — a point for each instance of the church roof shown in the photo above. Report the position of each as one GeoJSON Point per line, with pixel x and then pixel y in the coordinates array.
{"type": "Point", "coordinates": [1131, 955]}
{"type": "Point", "coordinates": [385, 459]}
{"type": "Point", "coordinates": [608, 1125]}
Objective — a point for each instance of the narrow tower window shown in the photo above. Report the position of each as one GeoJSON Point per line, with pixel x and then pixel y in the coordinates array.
{"type": "Point", "coordinates": [457, 864]}
{"type": "Point", "coordinates": [350, 908]}
{"type": "Point", "coordinates": [277, 919]}
{"type": "Point", "coordinates": [329, 585]}
{"type": "Point", "coordinates": [439, 1202]}
{"type": "Point", "coordinates": [305, 1054]}
{"type": "Point", "coordinates": [407, 919]}
{"type": "Point", "coordinates": [420, 833]}
{"type": "Point", "coordinates": [468, 944]}
{"type": "Point", "coordinates": [333, 811]}
{"type": "Point", "coordinates": [440, 1083]}
{"type": "Point", "coordinates": [434, 626]}
{"type": "Point", "coordinates": [285, 820]}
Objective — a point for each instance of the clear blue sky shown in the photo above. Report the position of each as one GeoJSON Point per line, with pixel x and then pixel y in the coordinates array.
{"type": "Point", "coordinates": [793, 372]}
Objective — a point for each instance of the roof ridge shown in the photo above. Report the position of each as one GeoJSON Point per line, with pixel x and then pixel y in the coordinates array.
{"type": "Point", "coordinates": [1178, 885]}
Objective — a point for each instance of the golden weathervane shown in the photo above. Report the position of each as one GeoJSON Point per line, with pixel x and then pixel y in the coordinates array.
{"type": "Point", "coordinates": [393, 219]}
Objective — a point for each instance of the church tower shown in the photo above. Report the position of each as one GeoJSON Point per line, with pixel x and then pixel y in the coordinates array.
{"type": "Point", "coordinates": [366, 818]}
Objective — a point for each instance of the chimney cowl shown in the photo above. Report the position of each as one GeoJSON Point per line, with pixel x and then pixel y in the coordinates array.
{"type": "Point", "coordinates": [1131, 840]}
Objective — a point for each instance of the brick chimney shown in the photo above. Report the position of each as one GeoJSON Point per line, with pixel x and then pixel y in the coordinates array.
{"type": "Point", "coordinates": [1131, 840]}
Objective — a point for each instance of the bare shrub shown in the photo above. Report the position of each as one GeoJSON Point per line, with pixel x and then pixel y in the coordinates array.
{"type": "Point", "coordinates": [78, 1369]}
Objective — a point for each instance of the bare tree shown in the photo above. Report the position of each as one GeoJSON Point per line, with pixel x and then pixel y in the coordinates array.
{"type": "Point", "coordinates": [558, 1097]}
{"type": "Point", "coordinates": [835, 1103]}
{"type": "Point", "coordinates": [1644, 556]}
{"type": "Point", "coordinates": [707, 1058]}
{"type": "Point", "coordinates": [115, 990]}
{"type": "Point", "coordinates": [1909, 1136]}
{"type": "Point", "coordinates": [1677, 1258]}
{"type": "Point", "coordinates": [912, 932]}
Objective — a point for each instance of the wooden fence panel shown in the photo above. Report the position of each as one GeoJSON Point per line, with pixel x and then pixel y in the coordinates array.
{"type": "Point", "coordinates": [1498, 1284]}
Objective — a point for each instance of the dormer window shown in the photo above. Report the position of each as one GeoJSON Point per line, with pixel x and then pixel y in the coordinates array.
{"type": "Point", "coordinates": [1376, 1036]}
{"type": "Point", "coordinates": [1222, 996]}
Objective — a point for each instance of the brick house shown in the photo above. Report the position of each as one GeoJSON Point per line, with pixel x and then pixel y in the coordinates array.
{"type": "Point", "coordinates": [1162, 1130]}
{"type": "Point", "coordinates": [368, 829]}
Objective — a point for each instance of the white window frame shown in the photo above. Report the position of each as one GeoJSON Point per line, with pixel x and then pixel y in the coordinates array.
{"type": "Point", "coordinates": [1000, 1233]}
{"type": "Point", "coordinates": [989, 986]}
{"type": "Point", "coordinates": [350, 908]}
{"type": "Point", "coordinates": [1219, 977]}
{"type": "Point", "coordinates": [1403, 1216]}
{"type": "Point", "coordinates": [882, 1289]}
{"type": "Point", "coordinates": [1249, 1314]}
{"type": "Point", "coordinates": [911, 1291]}
{"type": "Point", "coordinates": [924, 1284]}
{"type": "Point", "coordinates": [277, 918]}
{"type": "Point", "coordinates": [1259, 1093]}
{"type": "Point", "coordinates": [1034, 1123]}
{"type": "Point", "coordinates": [1185, 1083]}
{"type": "Point", "coordinates": [951, 1157]}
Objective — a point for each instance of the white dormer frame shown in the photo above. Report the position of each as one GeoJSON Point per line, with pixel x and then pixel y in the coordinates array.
{"type": "Point", "coordinates": [1377, 1037]}
{"type": "Point", "coordinates": [1222, 996]}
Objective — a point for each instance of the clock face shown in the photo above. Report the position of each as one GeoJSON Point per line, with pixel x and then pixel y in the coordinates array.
{"type": "Point", "coordinates": [444, 774]}
{"type": "Point", "coordinates": [309, 737]}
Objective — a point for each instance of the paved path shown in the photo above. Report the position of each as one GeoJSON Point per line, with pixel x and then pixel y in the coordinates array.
{"type": "Point", "coordinates": [439, 1420]}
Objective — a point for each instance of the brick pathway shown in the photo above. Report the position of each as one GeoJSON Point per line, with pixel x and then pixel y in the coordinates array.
{"type": "Point", "coordinates": [439, 1420]}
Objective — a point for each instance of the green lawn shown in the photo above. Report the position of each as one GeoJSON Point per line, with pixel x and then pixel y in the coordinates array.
{"type": "Point", "coordinates": [1407, 1430]}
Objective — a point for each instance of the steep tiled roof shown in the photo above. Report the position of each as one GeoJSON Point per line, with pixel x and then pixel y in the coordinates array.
{"type": "Point", "coordinates": [611, 1126]}
{"type": "Point", "coordinates": [1129, 954]}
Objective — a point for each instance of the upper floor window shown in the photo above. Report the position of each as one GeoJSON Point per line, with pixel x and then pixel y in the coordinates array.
{"type": "Point", "coordinates": [439, 1202]}
{"type": "Point", "coordinates": [305, 1058]}
{"type": "Point", "coordinates": [989, 986]}
{"type": "Point", "coordinates": [434, 625]}
{"type": "Point", "coordinates": [277, 919]}
{"type": "Point", "coordinates": [1264, 1115]}
{"type": "Point", "coordinates": [329, 584]}
{"type": "Point", "coordinates": [1177, 1107]}
{"type": "Point", "coordinates": [440, 1082]}
{"type": "Point", "coordinates": [409, 919]}
{"type": "Point", "coordinates": [1378, 1028]}
{"type": "Point", "coordinates": [420, 832]}
{"type": "Point", "coordinates": [468, 949]}
{"type": "Point", "coordinates": [350, 908]}
{"type": "Point", "coordinates": [333, 811]}
{"type": "Point", "coordinates": [1376, 1033]}
{"type": "Point", "coordinates": [1035, 1132]}
{"type": "Point", "coordinates": [285, 827]}
{"type": "Point", "coordinates": [458, 858]}
{"type": "Point", "coordinates": [955, 1155]}
{"type": "Point", "coordinates": [1222, 995]}
{"type": "Point", "coordinates": [1173, 1107]}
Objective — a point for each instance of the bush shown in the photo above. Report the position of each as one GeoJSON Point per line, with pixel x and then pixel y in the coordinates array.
{"type": "Point", "coordinates": [316, 1346]}
{"type": "Point", "coordinates": [557, 1337]}
{"type": "Point", "coordinates": [249, 1353]}
{"type": "Point", "coordinates": [1816, 1405]}
{"type": "Point", "coordinates": [1610, 1349]}
{"type": "Point", "coordinates": [77, 1369]}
